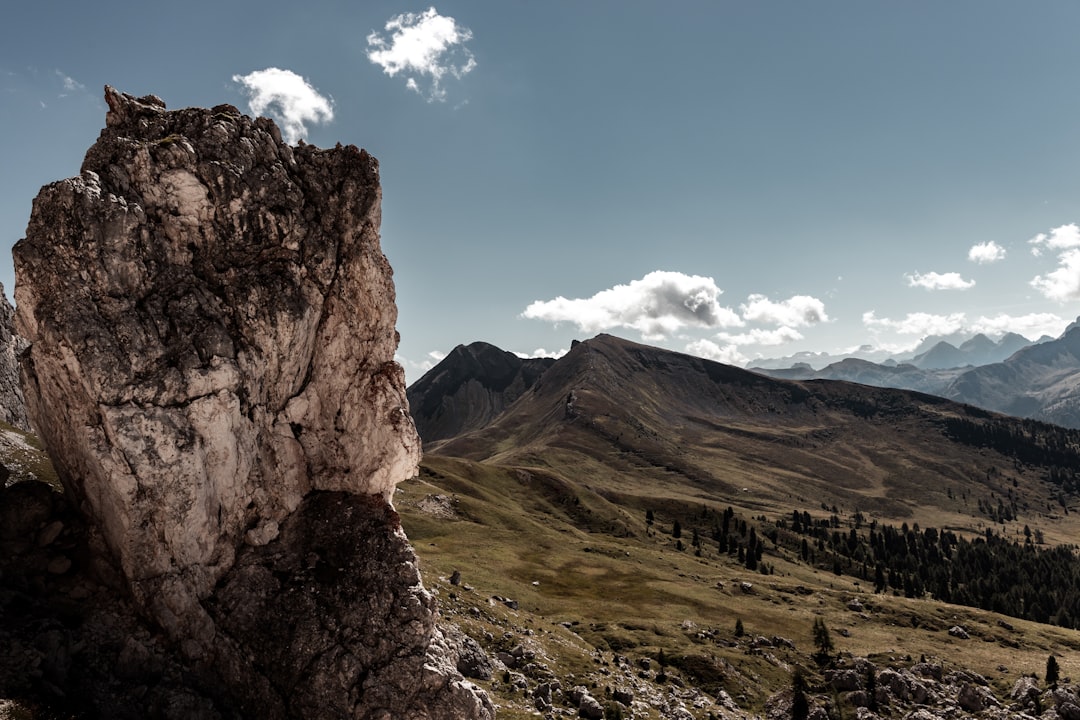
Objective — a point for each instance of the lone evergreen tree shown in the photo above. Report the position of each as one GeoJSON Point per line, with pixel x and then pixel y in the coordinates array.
{"type": "Point", "coordinates": [822, 641]}
{"type": "Point", "coordinates": [1053, 672]}
{"type": "Point", "coordinates": [739, 631]}
{"type": "Point", "coordinates": [676, 530]}
{"type": "Point", "coordinates": [649, 518]}
{"type": "Point", "coordinates": [800, 706]}
{"type": "Point", "coordinates": [871, 689]}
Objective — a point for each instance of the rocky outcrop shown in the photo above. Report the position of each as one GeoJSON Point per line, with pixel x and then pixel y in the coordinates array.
{"type": "Point", "coordinates": [12, 404]}
{"type": "Point", "coordinates": [211, 328]}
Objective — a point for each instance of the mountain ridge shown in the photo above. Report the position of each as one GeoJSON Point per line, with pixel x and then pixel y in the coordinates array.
{"type": "Point", "coordinates": [611, 406]}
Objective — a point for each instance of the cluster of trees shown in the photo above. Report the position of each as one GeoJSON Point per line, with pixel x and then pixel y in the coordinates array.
{"type": "Point", "coordinates": [1014, 577]}
{"type": "Point", "coordinates": [989, 572]}
{"type": "Point", "coordinates": [1057, 449]}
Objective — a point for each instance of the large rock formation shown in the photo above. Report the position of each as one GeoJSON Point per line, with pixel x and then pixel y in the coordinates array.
{"type": "Point", "coordinates": [211, 328]}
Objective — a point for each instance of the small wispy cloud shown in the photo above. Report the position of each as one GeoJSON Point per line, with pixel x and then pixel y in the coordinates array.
{"type": "Point", "coordinates": [796, 311]}
{"type": "Point", "coordinates": [69, 84]}
{"type": "Point", "coordinates": [288, 98]}
{"type": "Point", "coordinates": [425, 47]}
{"type": "Point", "coordinates": [986, 252]}
{"type": "Point", "coordinates": [657, 305]}
{"type": "Point", "coordinates": [939, 281]}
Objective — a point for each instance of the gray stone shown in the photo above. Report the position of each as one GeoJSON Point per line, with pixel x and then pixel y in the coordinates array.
{"type": "Point", "coordinates": [958, 631]}
{"type": "Point", "coordinates": [472, 661]}
{"type": "Point", "coordinates": [844, 680]}
{"type": "Point", "coordinates": [590, 708]}
{"type": "Point", "coordinates": [974, 698]}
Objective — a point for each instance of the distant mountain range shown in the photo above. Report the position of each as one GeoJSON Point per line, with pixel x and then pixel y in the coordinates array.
{"type": "Point", "coordinates": [935, 352]}
{"type": "Point", "coordinates": [1013, 376]}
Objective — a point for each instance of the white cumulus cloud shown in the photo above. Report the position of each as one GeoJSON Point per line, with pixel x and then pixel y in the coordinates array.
{"type": "Point", "coordinates": [986, 252]}
{"type": "Point", "coordinates": [425, 47]}
{"type": "Point", "coordinates": [288, 98]}
{"type": "Point", "coordinates": [711, 351]}
{"type": "Point", "coordinates": [939, 281]}
{"type": "Point", "coordinates": [1063, 237]}
{"type": "Point", "coordinates": [657, 305]}
{"type": "Point", "coordinates": [796, 311]}
{"type": "Point", "coordinates": [1062, 284]}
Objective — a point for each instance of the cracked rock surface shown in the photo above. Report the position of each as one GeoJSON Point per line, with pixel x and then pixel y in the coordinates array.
{"type": "Point", "coordinates": [211, 328]}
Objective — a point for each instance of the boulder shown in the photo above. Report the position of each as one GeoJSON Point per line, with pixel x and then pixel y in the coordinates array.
{"type": "Point", "coordinates": [974, 698]}
{"type": "Point", "coordinates": [958, 631]}
{"type": "Point", "coordinates": [1025, 691]}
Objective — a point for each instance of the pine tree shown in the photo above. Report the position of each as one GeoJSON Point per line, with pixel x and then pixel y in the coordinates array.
{"type": "Point", "coordinates": [800, 706]}
{"type": "Point", "coordinates": [739, 630]}
{"type": "Point", "coordinates": [1052, 671]}
{"type": "Point", "coordinates": [822, 640]}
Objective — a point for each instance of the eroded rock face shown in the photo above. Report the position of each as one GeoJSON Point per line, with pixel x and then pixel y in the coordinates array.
{"type": "Point", "coordinates": [211, 328]}
{"type": "Point", "coordinates": [12, 404]}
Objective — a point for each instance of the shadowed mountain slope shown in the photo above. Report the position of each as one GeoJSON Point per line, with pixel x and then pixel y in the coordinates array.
{"type": "Point", "coordinates": [1041, 381]}
{"type": "Point", "coordinates": [631, 420]}
{"type": "Point", "coordinates": [469, 388]}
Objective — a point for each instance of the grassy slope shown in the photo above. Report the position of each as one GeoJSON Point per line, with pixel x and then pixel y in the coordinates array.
{"type": "Point", "coordinates": [555, 493]}
{"type": "Point", "coordinates": [569, 555]}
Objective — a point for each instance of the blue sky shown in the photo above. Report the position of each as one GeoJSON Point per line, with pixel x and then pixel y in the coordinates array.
{"type": "Point", "coordinates": [734, 179]}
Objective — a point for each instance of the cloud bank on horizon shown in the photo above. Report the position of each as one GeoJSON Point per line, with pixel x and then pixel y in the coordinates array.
{"type": "Point", "coordinates": [663, 304]}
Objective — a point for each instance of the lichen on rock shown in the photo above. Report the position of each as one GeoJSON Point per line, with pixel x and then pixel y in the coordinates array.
{"type": "Point", "coordinates": [212, 330]}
